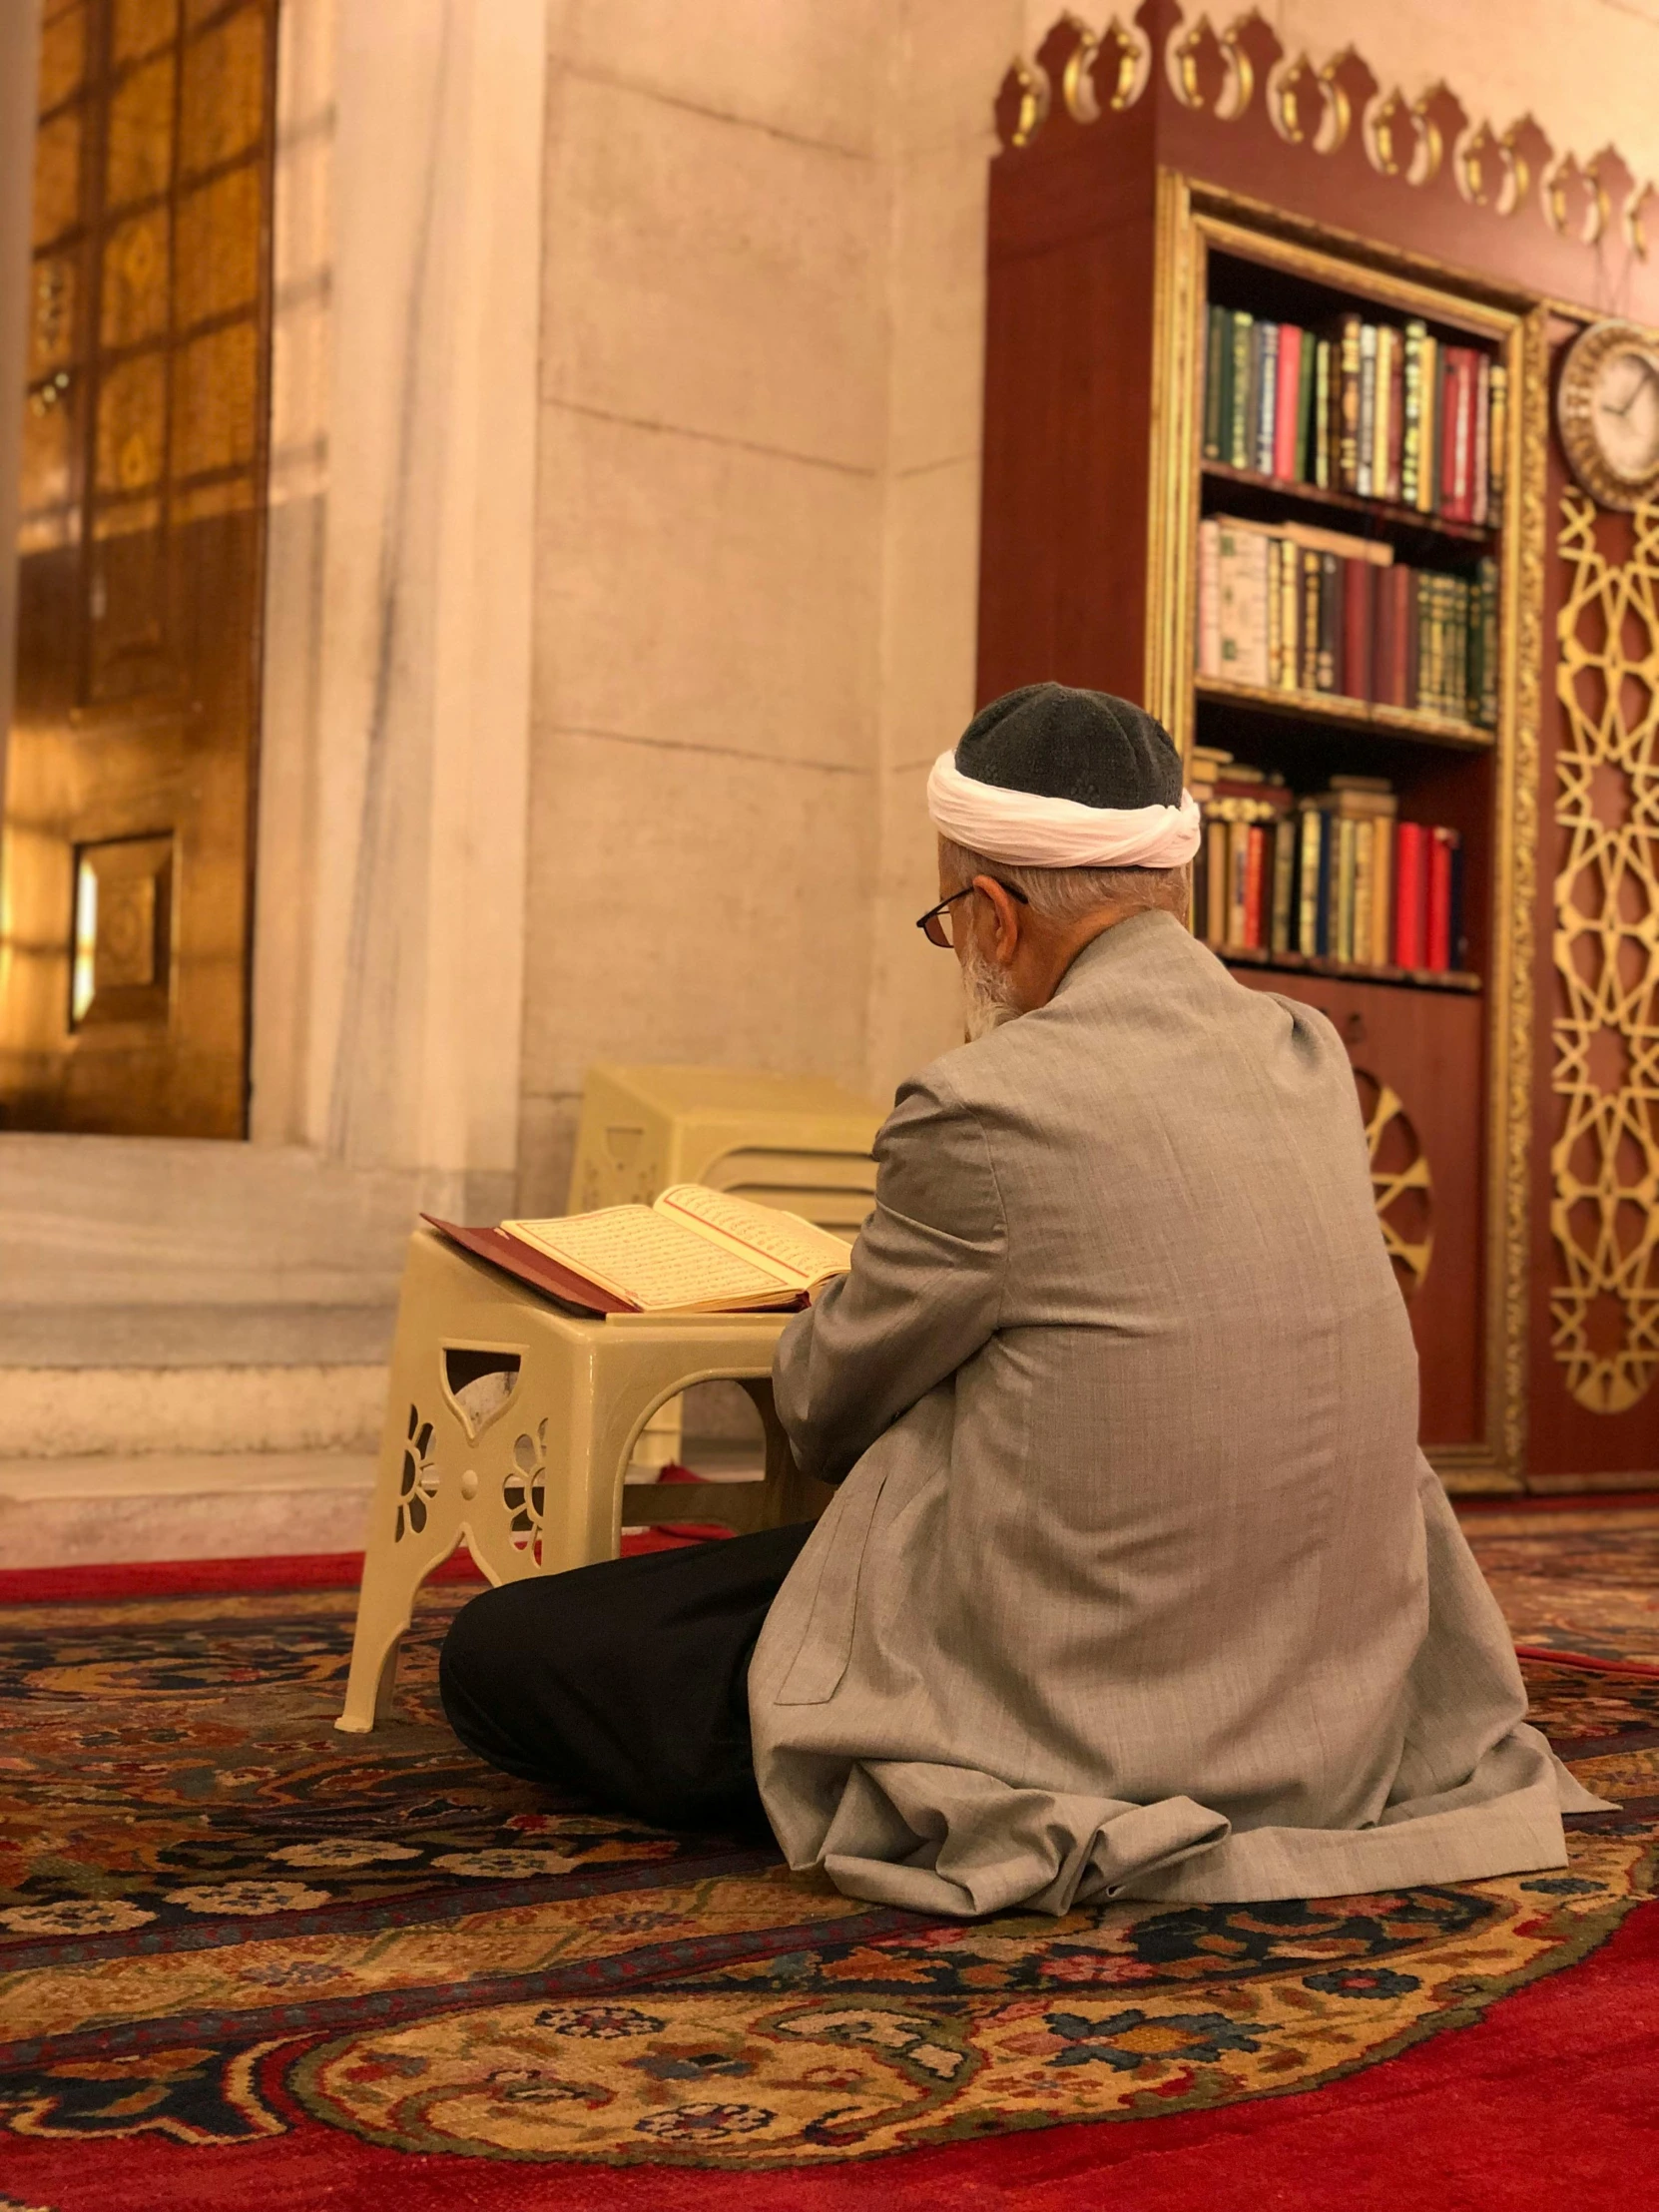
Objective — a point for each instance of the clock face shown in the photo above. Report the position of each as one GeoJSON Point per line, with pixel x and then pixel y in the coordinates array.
{"type": "Point", "coordinates": [1608, 410]}
{"type": "Point", "coordinates": [1625, 417]}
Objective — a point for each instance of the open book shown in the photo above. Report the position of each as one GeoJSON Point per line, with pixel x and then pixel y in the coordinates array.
{"type": "Point", "coordinates": [695, 1251]}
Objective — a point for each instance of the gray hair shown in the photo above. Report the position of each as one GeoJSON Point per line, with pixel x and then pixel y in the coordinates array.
{"type": "Point", "coordinates": [1067, 894]}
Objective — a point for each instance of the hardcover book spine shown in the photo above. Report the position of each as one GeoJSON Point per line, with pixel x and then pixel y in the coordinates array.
{"type": "Point", "coordinates": [1309, 834]}
{"type": "Point", "coordinates": [1208, 598]}
{"type": "Point", "coordinates": [1255, 555]}
{"type": "Point", "coordinates": [1284, 880]}
{"type": "Point", "coordinates": [1437, 948]}
{"type": "Point", "coordinates": [1256, 861]}
{"type": "Point", "coordinates": [1363, 843]}
{"type": "Point", "coordinates": [1411, 680]}
{"type": "Point", "coordinates": [1275, 656]}
{"type": "Point", "coordinates": [1330, 618]}
{"type": "Point", "coordinates": [1290, 611]}
{"type": "Point", "coordinates": [1342, 946]}
{"type": "Point", "coordinates": [1304, 407]}
{"type": "Point", "coordinates": [1217, 351]}
{"type": "Point", "coordinates": [1238, 879]}
{"type": "Point", "coordinates": [1428, 480]}
{"type": "Point", "coordinates": [1450, 380]}
{"type": "Point", "coordinates": [1410, 429]}
{"type": "Point", "coordinates": [1481, 465]}
{"type": "Point", "coordinates": [1384, 650]}
{"type": "Point", "coordinates": [1408, 894]}
{"type": "Point", "coordinates": [1266, 398]}
{"type": "Point", "coordinates": [1382, 416]}
{"type": "Point", "coordinates": [1497, 444]}
{"type": "Point", "coordinates": [1459, 951]}
{"type": "Point", "coordinates": [1244, 354]}
{"type": "Point", "coordinates": [1381, 888]}
{"type": "Point", "coordinates": [1324, 942]}
{"type": "Point", "coordinates": [1322, 415]}
{"type": "Point", "coordinates": [1307, 637]}
{"type": "Point", "coordinates": [1487, 593]}
{"type": "Point", "coordinates": [1287, 401]}
{"type": "Point", "coordinates": [1355, 655]}
{"type": "Point", "coordinates": [1364, 477]}
{"type": "Point", "coordinates": [1465, 698]}
{"type": "Point", "coordinates": [1396, 410]}
{"type": "Point", "coordinates": [1215, 884]}
{"type": "Point", "coordinates": [1349, 404]}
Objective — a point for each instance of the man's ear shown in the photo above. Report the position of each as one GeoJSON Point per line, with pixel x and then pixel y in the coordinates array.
{"type": "Point", "coordinates": [1003, 940]}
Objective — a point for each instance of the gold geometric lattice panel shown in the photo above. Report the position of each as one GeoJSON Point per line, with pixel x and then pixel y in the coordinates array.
{"type": "Point", "coordinates": [1402, 1185]}
{"type": "Point", "coordinates": [1604, 1197]}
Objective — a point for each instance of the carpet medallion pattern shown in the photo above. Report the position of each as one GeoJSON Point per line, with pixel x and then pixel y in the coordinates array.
{"type": "Point", "coordinates": [1571, 1579]}
{"type": "Point", "coordinates": [224, 1924]}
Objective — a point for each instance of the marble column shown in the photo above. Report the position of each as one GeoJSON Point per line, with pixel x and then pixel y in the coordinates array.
{"type": "Point", "coordinates": [411, 1045]}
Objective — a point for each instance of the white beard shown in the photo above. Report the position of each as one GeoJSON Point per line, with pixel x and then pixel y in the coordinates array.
{"type": "Point", "coordinates": [987, 991]}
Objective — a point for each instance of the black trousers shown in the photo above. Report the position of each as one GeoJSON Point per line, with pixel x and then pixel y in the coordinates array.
{"type": "Point", "coordinates": [624, 1682]}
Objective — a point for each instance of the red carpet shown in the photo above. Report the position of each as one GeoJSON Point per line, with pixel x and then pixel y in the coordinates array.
{"type": "Point", "coordinates": [254, 1966]}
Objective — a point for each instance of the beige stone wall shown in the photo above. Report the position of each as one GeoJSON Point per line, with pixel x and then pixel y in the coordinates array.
{"type": "Point", "coordinates": [759, 494]}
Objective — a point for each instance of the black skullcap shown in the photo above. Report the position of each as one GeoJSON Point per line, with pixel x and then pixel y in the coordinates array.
{"type": "Point", "coordinates": [1066, 743]}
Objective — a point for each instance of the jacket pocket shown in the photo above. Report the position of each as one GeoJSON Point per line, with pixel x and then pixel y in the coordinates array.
{"type": "Point", "coordinates": [831, 1610]}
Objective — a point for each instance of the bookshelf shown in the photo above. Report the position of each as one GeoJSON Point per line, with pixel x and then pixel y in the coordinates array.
{"type": "Point", "coordinates": [1104, 264]}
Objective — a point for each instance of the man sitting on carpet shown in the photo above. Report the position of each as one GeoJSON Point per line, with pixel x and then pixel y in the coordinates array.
{"type": "Point", "coordinates": [1135, 1582]}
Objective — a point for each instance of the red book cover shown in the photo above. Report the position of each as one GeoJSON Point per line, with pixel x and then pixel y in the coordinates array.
{"type": "Point", "coordinates": [1437, 945]}
{"type": "Point", "coordinates": [1459, 503]}
{"type": "Point", "coordinates": [1385, 626]}
{"type": "Point", "coordinates": [1360, 579]}
{"type": "Point", "coordinates": [1287, 401]}
{"type": "Point", "coordinates": [1410, 895]}
{"type": "Point", "coordinates": [1256, 868]}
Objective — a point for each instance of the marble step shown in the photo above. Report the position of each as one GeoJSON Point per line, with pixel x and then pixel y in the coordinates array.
{"type": "Point", "coordinates": [183, 1505]}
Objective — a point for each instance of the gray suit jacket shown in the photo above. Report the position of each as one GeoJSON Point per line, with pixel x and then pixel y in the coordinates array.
{"type": "Point", "coordinates": [1136, 1582]}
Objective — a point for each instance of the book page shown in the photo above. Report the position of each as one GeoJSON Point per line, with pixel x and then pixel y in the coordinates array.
{"type": "Point", "coordinates": [792, 1251]}
{"type": "Point", "coordinates": [643, 1256]}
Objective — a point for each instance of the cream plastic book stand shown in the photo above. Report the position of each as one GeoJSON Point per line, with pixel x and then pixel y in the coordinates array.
{"type": "Point", "coordinates": [795, 1141]}
{"type": "Point", "coordinates": [511, 1426]}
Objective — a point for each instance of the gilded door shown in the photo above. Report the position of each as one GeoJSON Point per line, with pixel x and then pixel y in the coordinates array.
{"type": "Point", "coordinates": [124, 899]}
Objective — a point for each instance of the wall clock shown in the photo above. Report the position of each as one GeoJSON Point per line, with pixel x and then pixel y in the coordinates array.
{"type": "Point", "coordinates": [1607, 406]}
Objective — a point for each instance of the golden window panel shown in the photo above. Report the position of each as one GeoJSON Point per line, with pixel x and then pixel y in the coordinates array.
{"type": "Point", "coordinates": [134, 305]}
{"type": "Point", "coordinates": [57, 190]}
{"type": "Point", "coordinates": [219, 246]}
{"type": "Point", "coordinates": [52, 324]}
{"type": "Point", "coordinates": [137, 162]}
{"type": "Point", "coordinates": [140, 26]}
{"type": "Point", "coordinates": [215, 386]}
{"type": "Point", "coordinates": [1604, 1203]}
{"type": "Point", "coordinates": [63, 53]}
{"type": "Point", "coordinates": [132, 424]}
{"type": "Point", "coordinates": [224, 94]}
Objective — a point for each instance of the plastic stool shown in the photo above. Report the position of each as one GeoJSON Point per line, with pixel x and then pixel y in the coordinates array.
{"type": "Point", "coordinates": [511, 1426]}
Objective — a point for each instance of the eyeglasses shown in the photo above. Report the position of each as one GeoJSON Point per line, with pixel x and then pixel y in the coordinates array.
{"type": "Point", "coordinates": [935, 924]}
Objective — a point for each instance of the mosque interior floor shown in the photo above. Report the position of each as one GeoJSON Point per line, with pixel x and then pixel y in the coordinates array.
{"type": "Point", "coordinates": [251, 1960]}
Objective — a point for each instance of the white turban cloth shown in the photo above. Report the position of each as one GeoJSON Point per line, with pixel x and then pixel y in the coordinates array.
{"type": "Point", "coordinates": [1028, 829]}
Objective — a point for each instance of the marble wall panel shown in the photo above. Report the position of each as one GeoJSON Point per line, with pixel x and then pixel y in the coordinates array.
{"type": "Point", "coordinates": [930, 593]}
{"type": "Point", "coordinates": [694, 906]}
{"type": "Point", "coordinates": [713, 277]}
{"type": "Point", "coordinates": [915, 990]}
{"type": "Point", "coordinates": [938, 287]}
{"type": "Point", "coordinates": [696, 590]}
{"type": "Point", "coordinates": [814, 73]}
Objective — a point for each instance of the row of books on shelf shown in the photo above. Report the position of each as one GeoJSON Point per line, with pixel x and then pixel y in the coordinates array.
{"type": "Point", "coordinates": [1373, 408]}
{"type": "Point", "coordinates": [1291, 607]}
{"type": "Point", "coordinates": [1336, 876]}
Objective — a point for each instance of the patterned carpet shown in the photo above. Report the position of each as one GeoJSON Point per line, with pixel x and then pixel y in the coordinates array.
{"type": "Point", "coordinates": [250, 1961]}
